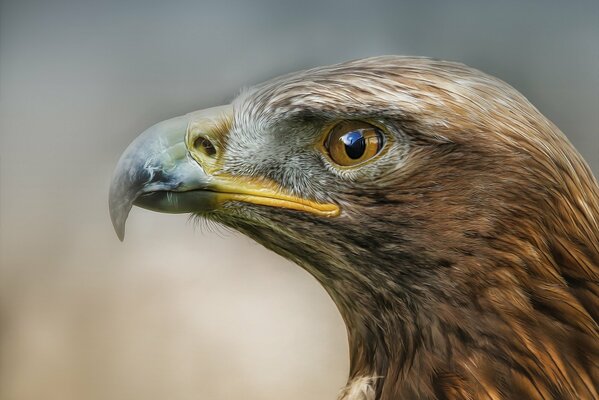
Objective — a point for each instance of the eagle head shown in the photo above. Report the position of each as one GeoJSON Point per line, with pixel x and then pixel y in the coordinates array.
{"type": "Point", "coordinates": [454, 226]}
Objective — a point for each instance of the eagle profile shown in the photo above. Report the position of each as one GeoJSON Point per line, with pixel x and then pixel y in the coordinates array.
{"type": "Point", "coordinates": [454, 226]}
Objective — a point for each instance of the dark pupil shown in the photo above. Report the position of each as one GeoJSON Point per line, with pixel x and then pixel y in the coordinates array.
{"type": "Point", "coordinates": [355, 145]}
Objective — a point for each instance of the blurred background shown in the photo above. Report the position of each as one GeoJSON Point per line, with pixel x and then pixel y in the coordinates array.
{"type": "Point", "coordinates": [179, 312]}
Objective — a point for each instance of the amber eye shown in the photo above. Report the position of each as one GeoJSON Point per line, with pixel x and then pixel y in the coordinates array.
{"type": "Point", "coordinates": [351, 143]}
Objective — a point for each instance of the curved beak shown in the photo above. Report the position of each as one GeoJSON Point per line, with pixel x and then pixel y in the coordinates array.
{"type": "Point", "coordinates": [157, 173]}
{"type": "Point", "coordinates": [174, 167]}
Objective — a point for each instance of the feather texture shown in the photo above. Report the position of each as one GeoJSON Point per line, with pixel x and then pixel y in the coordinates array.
{"type": "Point", "coordinates": [466, 261]}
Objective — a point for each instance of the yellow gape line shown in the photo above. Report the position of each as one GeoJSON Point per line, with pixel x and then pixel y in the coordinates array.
{"type": "Point", "coordinates": [265, 193]}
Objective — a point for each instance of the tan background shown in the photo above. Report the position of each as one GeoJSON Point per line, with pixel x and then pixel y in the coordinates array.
{"type": "Point", "coordinates": [177, 312]}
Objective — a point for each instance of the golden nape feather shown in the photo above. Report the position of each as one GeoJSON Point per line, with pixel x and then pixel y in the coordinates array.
{"type": "Point", "coordinates": [454, 226]}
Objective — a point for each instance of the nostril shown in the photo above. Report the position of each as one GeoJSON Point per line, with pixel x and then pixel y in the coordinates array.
{"type": "Point", "coordinates": [204, 146]}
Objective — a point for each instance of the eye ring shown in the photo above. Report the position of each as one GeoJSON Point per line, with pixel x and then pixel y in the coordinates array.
{"type": "Point", "coordinates": [352, 143]}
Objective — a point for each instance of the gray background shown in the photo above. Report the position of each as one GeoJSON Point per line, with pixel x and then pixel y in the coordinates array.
{"type": "Point", "coordinates": [177, 312]}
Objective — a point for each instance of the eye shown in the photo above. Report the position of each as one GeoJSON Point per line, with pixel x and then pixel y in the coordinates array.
{"type": "Point", "coordinates": [352, 143]}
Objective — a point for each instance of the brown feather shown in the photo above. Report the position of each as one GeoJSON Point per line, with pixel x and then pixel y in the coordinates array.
{"type": "Point", "coordinates": [469, 271]}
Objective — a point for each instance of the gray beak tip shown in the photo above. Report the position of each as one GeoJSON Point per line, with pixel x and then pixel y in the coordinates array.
{"type": "Point", "coordinates": [119, 211]}
{"type": "Point", "coordinates": [119, 228]}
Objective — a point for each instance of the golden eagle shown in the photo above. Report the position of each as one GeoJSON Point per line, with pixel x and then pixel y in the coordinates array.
{"type": "Point", "coordinates": [454, 226]}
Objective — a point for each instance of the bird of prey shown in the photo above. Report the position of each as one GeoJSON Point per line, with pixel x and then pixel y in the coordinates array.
{"type": "Point", "coordinates": [454, 226]}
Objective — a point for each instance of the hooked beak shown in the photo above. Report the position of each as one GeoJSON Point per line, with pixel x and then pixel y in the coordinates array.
{"type": "Point", "coordinates": [173, 167]}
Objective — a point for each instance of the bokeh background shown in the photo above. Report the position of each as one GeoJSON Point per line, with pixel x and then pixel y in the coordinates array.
{"type": "Point", "coordinates": [179, 312]}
